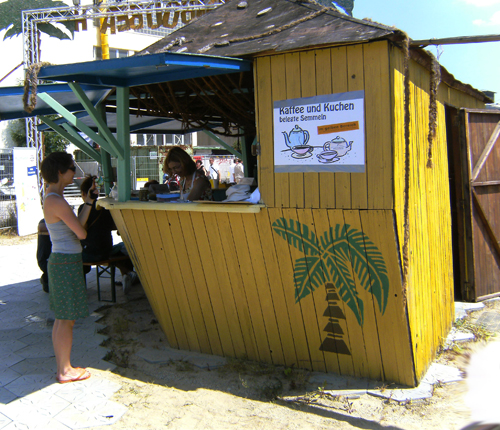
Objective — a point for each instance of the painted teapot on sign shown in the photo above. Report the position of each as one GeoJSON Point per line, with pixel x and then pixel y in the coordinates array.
{"type": "Point", "coordinates": [339, 145]}
{"type": "Point", "coordinates": [296, 137]}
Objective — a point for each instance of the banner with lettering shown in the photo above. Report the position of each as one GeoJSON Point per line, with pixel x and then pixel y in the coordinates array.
{"type": "Point", "coordinates": [320, 134]}
{"type": "Point", "coordinates": [29, 208]}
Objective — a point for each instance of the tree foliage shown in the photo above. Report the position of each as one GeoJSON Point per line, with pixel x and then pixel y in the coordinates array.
{"type": "Point", "coordinates": [52, 141]}
{"type": "Point", "coordinates": [338, 255]}
{"type": "Point", "coordinates": [11, 16]}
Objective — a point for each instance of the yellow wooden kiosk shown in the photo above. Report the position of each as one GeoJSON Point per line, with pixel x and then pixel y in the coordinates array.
{"type": "Point", "coordinates": [345, 270]}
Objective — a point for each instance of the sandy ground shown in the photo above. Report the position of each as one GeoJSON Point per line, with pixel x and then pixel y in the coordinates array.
{"type": "Point", "coordinates": [250, 395]}
{"type": "Point", "coordinates": [247, 394]}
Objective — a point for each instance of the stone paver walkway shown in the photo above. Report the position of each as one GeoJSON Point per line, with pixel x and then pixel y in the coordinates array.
{"type": "Point", "coordinates": [30, 397]}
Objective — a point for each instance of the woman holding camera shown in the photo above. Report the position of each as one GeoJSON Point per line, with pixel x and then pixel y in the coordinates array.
{"type": "Point", "coordinates": [68, 294]}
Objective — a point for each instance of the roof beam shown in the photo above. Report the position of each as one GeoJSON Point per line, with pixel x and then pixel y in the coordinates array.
{"type": "Point", "coordinates": [96, 117]}
{"type": "Point", "coordinates": [455, 40]}
{"type": "Point", "coordinates": [61, 121]}
{"type": "Point", "coordinates": [147, 124]}
{"type": "Point", "coordinates": [73, 137]}
{"type": "Point", "coordinates": [73, 120]}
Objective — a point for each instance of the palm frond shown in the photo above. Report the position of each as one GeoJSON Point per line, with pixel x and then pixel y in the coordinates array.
{"type": "Point", "coordinates": [11, 16]}
{"type": "Point", "coordinates": [11, 32]}
{"type": "Point", "coordinates": [369, 266]}
{"type": "Point", "coordinates": [334, 239]}
{"type": "Point", "coordinates": [340, 253]}
{"type": "Point", "coordinates": [308, 274]}
{"type": "Point", "coordinates": [367, 261]}
{"type": "Point", "coordinates": [52, 31]}
{"type": "Point", "coordinates": [298, 235]}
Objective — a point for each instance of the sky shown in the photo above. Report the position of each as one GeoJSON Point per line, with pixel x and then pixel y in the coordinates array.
{"type": "Point", "coordinates": [477, 64]}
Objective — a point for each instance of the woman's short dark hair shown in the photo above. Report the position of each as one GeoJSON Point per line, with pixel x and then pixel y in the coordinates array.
{"type": "Point", "coordinates": [178, 155]}
{"type": "Point", "coordinates": [199, 161]}
{"type": "Point", "coordinates": [87, 183]}
{"type": "Point", "coordinates": [54, 163]}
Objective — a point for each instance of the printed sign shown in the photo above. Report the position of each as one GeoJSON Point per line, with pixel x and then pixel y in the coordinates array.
{"type": "Point", "coordinates": [320, 134]}
{"type": "Point", "coordinates": [152, 16]}
{"type": "Point", "coordinates": [29, 208]}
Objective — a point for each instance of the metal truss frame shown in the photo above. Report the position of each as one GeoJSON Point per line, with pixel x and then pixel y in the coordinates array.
{"type": "Point", "coordinates": [31, 36]}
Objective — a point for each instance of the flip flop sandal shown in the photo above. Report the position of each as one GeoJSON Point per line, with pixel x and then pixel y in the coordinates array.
{"type": "Point", "coordinates": [81, 377]}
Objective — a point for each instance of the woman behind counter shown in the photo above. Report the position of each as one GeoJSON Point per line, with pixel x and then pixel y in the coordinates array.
{"type": "Point", "coordinates": [68, 295]}
{"type": "Point", "coordinates": [194, 185]}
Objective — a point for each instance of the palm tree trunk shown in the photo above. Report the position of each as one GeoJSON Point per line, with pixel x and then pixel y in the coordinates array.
{"type": "Point", "coordinates": [333, 341]}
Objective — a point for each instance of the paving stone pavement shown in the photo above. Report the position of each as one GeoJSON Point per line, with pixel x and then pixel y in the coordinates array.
{"type": "Point", "coordinates": [490, 320]}
{"type": "Point", "coordinates": [30, 397]}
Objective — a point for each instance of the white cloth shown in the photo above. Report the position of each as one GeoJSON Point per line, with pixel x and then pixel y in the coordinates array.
{"type": "Point", "coordinates": [237, 193]}
{"type": "Point", "coordinates": [255, 197]}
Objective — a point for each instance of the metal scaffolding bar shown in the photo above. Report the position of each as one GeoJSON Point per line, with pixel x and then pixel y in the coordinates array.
{"type": "Point", "coordinates": [143, 15]}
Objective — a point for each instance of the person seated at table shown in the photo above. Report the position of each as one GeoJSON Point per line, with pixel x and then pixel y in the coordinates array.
{"type": "Point", "coordinates": [43, 250]}
{"type": "Point", "coordinates": [152, 193]}
{"type": "Point", "coordinates": [194, 185]}
{"type": "Point", "coordinates": [98, 244]}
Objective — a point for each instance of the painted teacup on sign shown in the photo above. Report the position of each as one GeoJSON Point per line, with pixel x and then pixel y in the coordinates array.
{"type": "Point", "coordinates": [334, 149]}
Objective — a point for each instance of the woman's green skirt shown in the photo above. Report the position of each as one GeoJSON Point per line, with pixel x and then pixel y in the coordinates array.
{"type": "Point", "coordinates": [68, 294]}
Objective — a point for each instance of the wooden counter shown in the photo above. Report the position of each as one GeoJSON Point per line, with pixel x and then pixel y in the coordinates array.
{"type": "Point", "coordinates": [202, 206]}
{"type": "Point", "coordinates": [230, 280]}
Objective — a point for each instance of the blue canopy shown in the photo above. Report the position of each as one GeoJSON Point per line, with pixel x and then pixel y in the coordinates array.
{"type": "Point", "coordinates": [12, 107]}
{"type": "Point", "coordinates": [144, 69]}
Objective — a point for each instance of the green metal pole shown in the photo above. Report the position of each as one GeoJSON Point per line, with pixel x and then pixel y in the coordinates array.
{"type": "Point", "coordinates": [123, 137]}
{"type": "Point", "coordinates": [107, 169]}
{"type": "Point", "coordinates": [222, 143]}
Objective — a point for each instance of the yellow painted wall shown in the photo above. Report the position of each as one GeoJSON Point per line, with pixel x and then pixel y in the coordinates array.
{"type": "Point", "coordinates": [377, 69]}
{"type": "Point", "coordinates": [284, 285]}
{"type": "Point", "coordinates": [430, 280]}
{"type": "Point", "coordinates": [318, 72]}
{"type": "Point", "coordinates": [241, 301]}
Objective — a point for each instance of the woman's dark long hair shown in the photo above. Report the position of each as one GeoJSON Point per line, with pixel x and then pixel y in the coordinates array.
{"type": "Point", "coordinates": [178, 155]}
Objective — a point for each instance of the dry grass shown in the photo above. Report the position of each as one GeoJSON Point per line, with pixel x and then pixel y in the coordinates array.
{"type": "Point", "coordinates": [9, 237]}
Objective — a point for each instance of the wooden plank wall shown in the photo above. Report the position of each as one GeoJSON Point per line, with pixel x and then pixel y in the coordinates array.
{"type": "Point", "coordinates": [486, 282]}
{"type": "Point", "coordinates": [223, 283]}
{"type": "Point", "coordinates": [318, 72]}
{"type": "Point", "coordinates": [430, 283]}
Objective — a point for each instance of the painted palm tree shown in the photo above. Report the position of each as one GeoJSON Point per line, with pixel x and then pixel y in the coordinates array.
{"type": "Point", "coordinates": [11, 17]}
{"type": "Point", "coordinates": [332, 260]}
